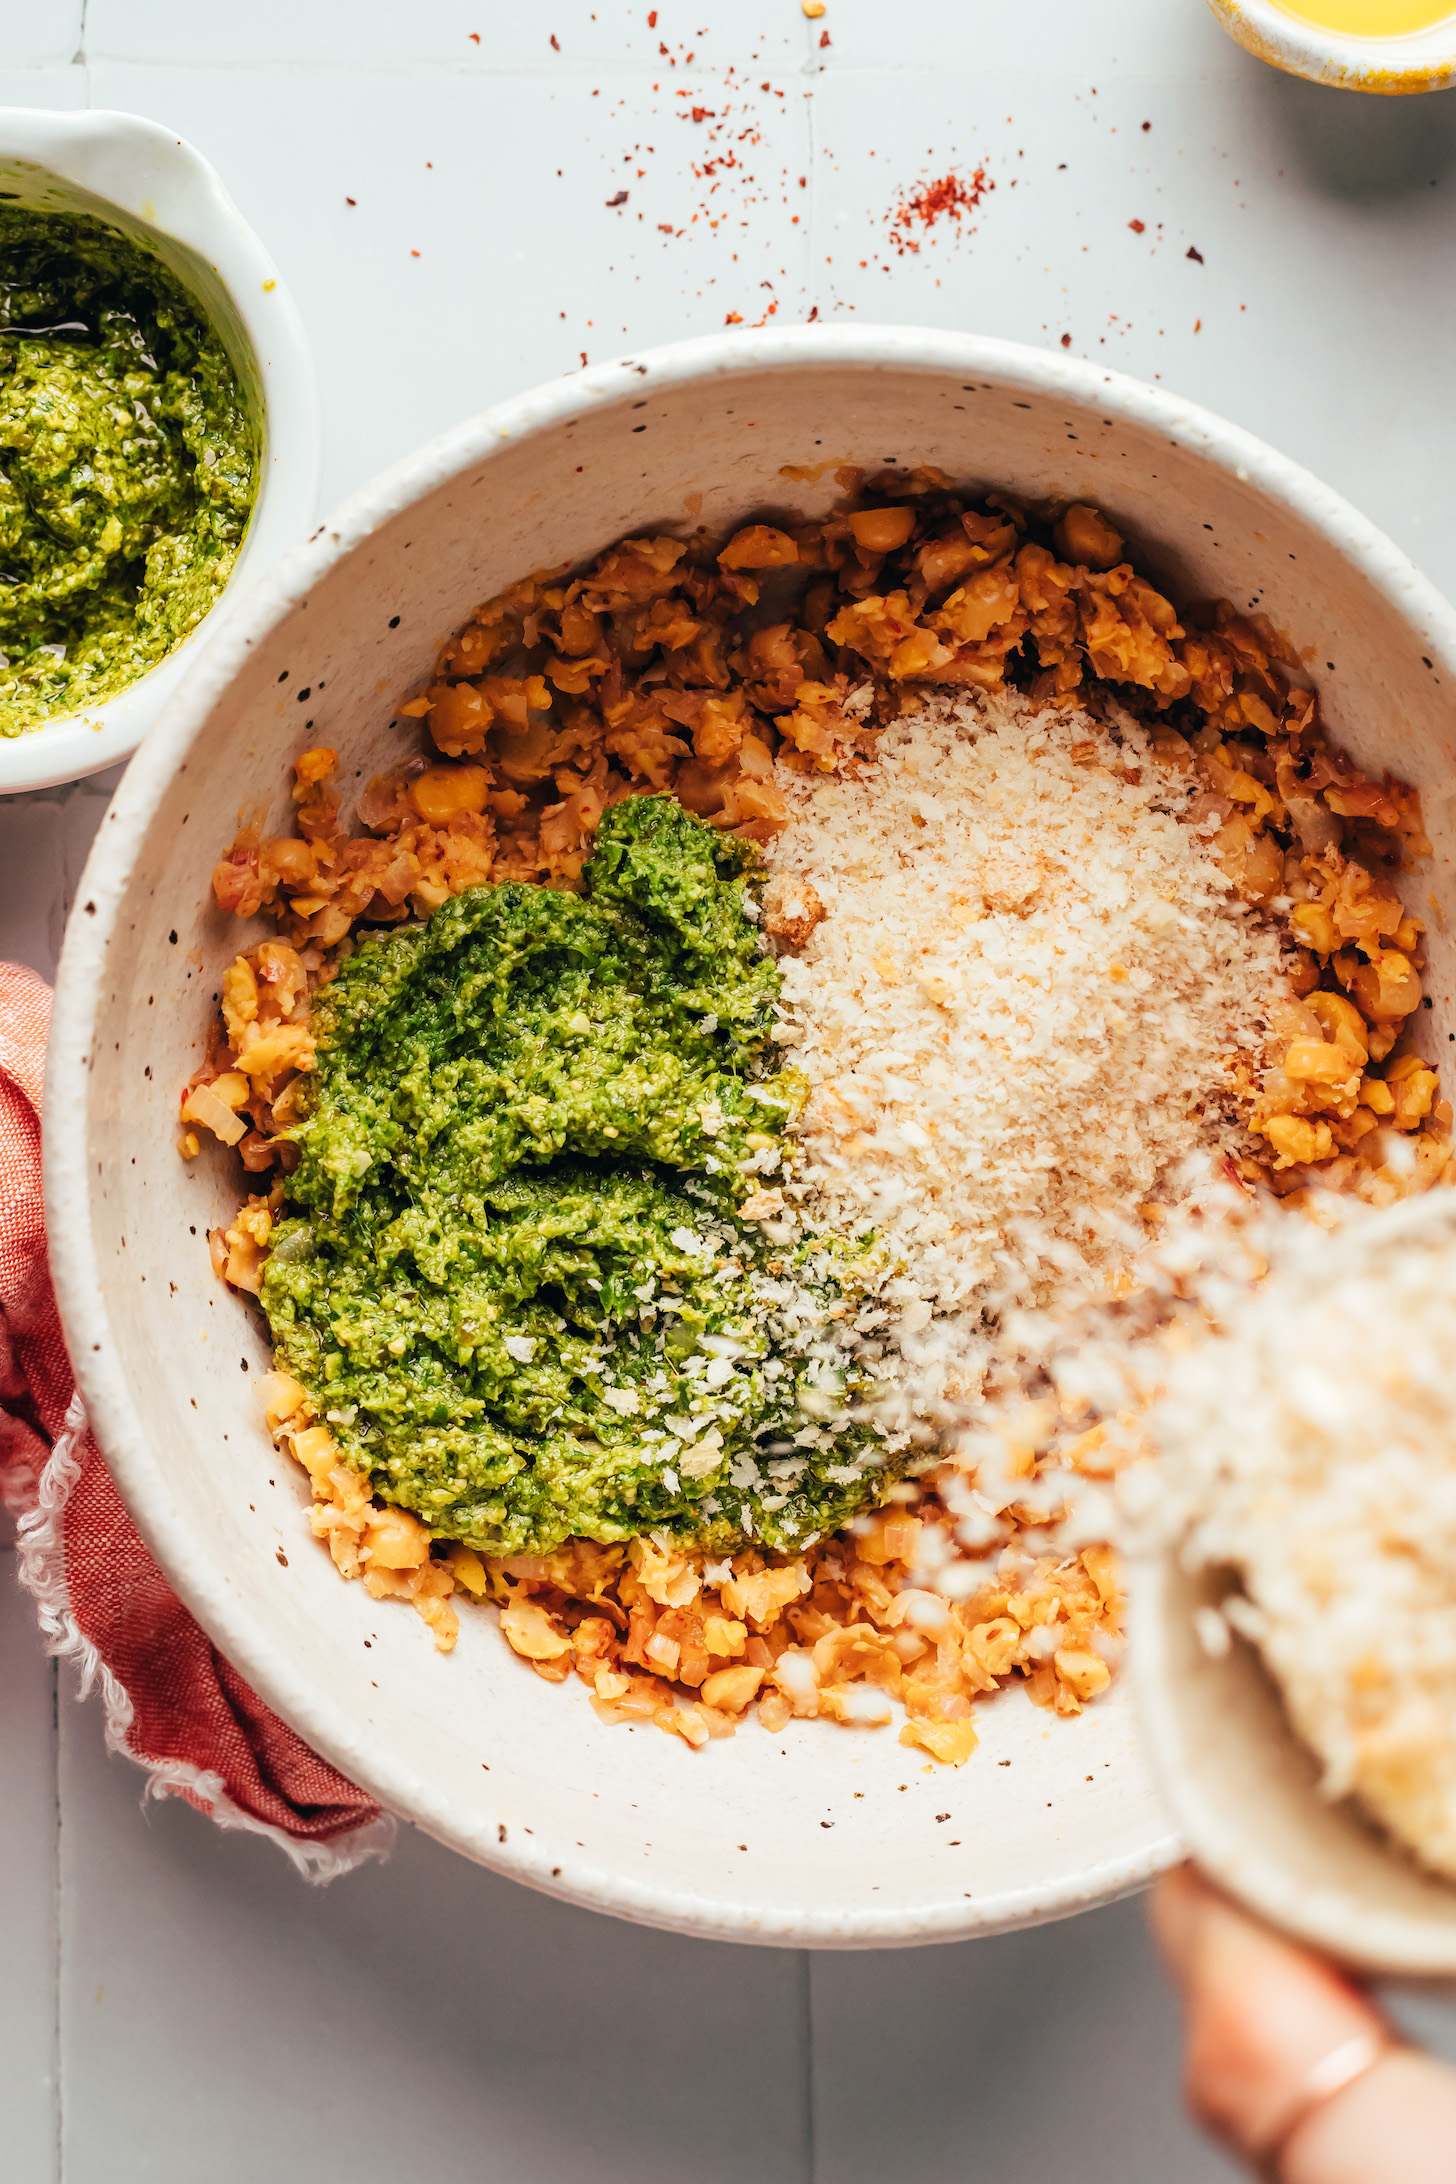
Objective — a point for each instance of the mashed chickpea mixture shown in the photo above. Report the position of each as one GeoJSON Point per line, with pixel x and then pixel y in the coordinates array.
{"type": "Point", "coordinates": [773, 966]}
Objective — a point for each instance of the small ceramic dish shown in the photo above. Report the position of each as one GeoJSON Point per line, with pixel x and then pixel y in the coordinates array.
{"type": "Point", "coordinates": [1394, 66]}
{"type": "Point", "coordinates": [1244, 1791]}
{"type": "Point", "coordinates": [822, 1836]}
{"type": "Point", "coordinates": [156, 190]}
{"type": "Point", "coordinates": [1243, 1786]}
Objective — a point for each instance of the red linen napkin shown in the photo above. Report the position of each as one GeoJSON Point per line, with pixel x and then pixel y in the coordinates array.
{"type": "Point", "coordinates": [173, 1704]}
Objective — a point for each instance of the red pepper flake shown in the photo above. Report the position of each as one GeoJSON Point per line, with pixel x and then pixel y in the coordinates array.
{"type": "Point", "coordinates": [652, 20]}
{"type": "Point", "coordinates": [1146, 126]}
{"type": "Point", "coordinates": [703, 113]}
{"type": "Point", "coordinates": [555, 43]}
{"type": "Point", "coordinates": [582, 354]}
{"type": "Point", "coordinates": [823, 40]}
{"type": "Point", "coordinates": [475, 37]}
{"type": "Point", "coordinates": [664, 227]}
{"type": "Point", "coordinates": [1066, 341]}
{"type": "Point", "coordinates": [950, 197]}
{"type": "Point", "coordinates": [1198, 326]}
{"type": "Point", "coordinates": [351, 200]}
{"type": "Point", "coordinates": [619, 199]}
{"type": "Point", "coordinates": [1195, 255]}
{"type": "Point", "coordinates": [734, 318]}
{"type": "Point", "coordinates": [1137, 226]}
{"type": "Point", "coordinates": [414, 253]}
{"type": "Point", "coordinates": [812, 316]}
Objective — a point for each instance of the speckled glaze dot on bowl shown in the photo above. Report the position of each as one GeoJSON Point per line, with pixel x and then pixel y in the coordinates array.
{"type": "Point", "coordinates": [139, 178]}
{"type": "Point", "coordinates": [1420, 60]}
{"type": "Point", "coordinates": [820, 1836]}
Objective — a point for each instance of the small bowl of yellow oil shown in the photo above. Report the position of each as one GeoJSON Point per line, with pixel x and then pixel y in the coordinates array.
{"type": "Point", "coordinates": [1391, 47]}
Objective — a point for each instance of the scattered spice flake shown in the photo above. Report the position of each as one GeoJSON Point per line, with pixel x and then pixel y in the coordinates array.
{"type": "Point", "coordinates": [475, 37]}
{"type": "Point", "coordinates": [703, 113]}
{"type": "Point", "coordinates": [823, 39]}
{"type": "Point", "coordinates": [1195, 255]}
{"type": "Point", "coordinates": [652, 20]}
{"type": "Point", "coordinates": [951, 197]}
{"type": "Point", "coordinates": [734, 318]}
{"type": "Point", "coordinates": [619, 199]}
{"type": "Point", "coordinates": [1137, 226]}
{"type": "Point", "coordinates": [1066, 341]}
{"type": "Point", "coordinates": [351, 200]}
{"type": "Point", "coordinates": [555, 43]}
{"type": "Point", "coordinates": [414, 253]}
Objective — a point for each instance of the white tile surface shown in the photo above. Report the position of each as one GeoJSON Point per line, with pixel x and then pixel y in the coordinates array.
{"type": "Point", "coordinates": [1326, 223]}
{"type": "Point", "coordinates": [29, 1823]}
{"type": "Point", "coordinates": [56, 86]}
{"type": "Point", "coordinates": [482, 255]}
{"type": "Point", "coordinates": [218, 2019]}
{"type": "Point", "coordinates": [44, 842]}
{"type": "Point", "coordinates": [34, 32]}
{"type": "Point", "coordinates": [1038, 2056]}
{"type": "Point", "coordinates": [467, 34]}
{"type": "Point", "coordinates": [222, 2021]}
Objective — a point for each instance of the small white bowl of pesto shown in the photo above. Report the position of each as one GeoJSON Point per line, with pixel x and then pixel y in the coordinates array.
{"type": "Point", "coordinates": [159, 429]}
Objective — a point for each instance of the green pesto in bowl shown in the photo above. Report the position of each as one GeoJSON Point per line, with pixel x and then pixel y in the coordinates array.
{"type": "Point", "coordinates": [511, 1272]}
{"type": "Point", "coordinates": [128, 464]}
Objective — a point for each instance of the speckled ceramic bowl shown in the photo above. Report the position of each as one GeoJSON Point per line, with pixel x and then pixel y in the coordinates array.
{"type": "Point", "coordinates": [823, 1835]}
{"type": "Point", "coordinates": [1419, 60]}
{"type": "Point", "coordinates": [158, 191]}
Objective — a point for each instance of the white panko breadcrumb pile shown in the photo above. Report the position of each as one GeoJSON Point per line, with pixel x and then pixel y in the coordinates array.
{"type": "Point", "coordinates": [1311, 1448]}
{"type": "Point", "coordinates": [1019, 1000]}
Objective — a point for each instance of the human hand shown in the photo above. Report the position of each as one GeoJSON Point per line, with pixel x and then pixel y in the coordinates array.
{"type": "Point", "coordinates": [1288, 2063]}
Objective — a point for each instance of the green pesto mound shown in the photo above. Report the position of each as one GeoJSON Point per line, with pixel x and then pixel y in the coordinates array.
{"type": "Point", "coordinates": [510, 1271]}
{"type": "Point", "coordinates": [128, 465]}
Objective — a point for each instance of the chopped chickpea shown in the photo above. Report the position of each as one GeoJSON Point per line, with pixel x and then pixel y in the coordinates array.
{"type": "Point", "coordinates": [1087, 538]}
{"type": "Point", "coordinates": [1295, 1140]}
{"type": "Point", "coordinates": [1314, 926]}
{"type": "Point", "coordinates": [759, 546]}
{"type": "Point", "coordinates": [1342, 1022]}
{"type": "Point", "coordinates": [1318, 1062]}
{"type": "Point", "coordinates": [442, 791]}
{"type": "Point", "coordinates": [732, 1689]}
{"type": "Point", "coordinates": [1413, 1086]}
{"type": "Point", "coordinates": [881, 530]}
{"type": "Point", "coordinates": [1387, 987]}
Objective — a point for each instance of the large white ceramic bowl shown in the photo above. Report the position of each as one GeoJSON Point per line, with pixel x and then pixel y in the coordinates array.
{"type": "Point", "coordinates": [139, 178]}
{"type": "Point", "coordinates": [1393, 67]}
{"type": "Point", "coordinates": [822, 1835]}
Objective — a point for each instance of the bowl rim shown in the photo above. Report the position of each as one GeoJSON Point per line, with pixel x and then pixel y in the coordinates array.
{"type": "Point", "coordinates": [85, 148]}
{"type": "Point", "coordinates": [261, 1656]}
{"type": "Point", "coordinates": [1394, 67]}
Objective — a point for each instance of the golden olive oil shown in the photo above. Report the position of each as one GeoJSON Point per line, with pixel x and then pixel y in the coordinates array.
{"type": "Point", "coordinates": [1371, 18]}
